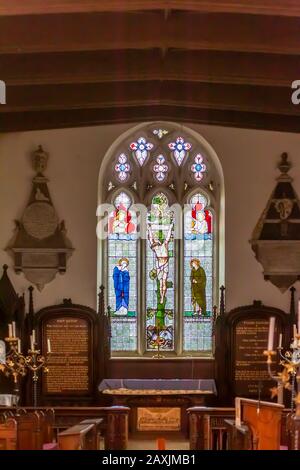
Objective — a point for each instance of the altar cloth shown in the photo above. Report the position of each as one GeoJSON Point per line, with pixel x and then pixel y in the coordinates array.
{"type": "Point", "coordinates": [158, 386]}
{"type": "Point", "coordinates": [8, 400]}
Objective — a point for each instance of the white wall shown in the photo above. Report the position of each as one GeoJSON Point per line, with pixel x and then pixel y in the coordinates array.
{"type": "Point", "coordinates": [248, 158]}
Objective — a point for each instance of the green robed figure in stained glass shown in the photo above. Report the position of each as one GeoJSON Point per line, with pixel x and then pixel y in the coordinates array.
{"type": "Point", "coordinates": [198, 287]}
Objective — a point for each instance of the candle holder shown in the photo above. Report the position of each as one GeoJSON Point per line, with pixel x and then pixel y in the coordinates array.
{"type": "Point", "coordinates": [35, 362]}
{"type": "Point", "coordinates": [289, 377]}
{"type": "Point", "coordinates": [14, 365]}
{"type": "Point", "coordinates": [17, 365]}
{"type": "Point", "coordinates": [158, 355]}
{"type": "Point", "coordinates": [276, 377]}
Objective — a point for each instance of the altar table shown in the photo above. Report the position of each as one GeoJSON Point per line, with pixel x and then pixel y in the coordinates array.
{"type": "Point", "coordinates": [158, 393]}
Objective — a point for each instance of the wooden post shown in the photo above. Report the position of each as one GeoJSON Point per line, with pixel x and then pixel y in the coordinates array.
{"type": "Point", "coordinates": [222, 300]}
{"type": "Point", "coordinates": [117, 428]}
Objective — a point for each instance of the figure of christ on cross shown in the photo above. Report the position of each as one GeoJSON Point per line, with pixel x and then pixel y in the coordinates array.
{"type": "Point", "coordinates": [160, 249]}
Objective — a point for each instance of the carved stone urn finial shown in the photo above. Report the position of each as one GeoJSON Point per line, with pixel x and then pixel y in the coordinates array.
{"type": "Point", "coordinates": [284, 165]}
{"type": "Point", "coordinates": [40, 159]}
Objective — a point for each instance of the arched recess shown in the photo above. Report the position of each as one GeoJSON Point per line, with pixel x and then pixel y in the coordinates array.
{"type": "Point", "coordinates": [157, 168]}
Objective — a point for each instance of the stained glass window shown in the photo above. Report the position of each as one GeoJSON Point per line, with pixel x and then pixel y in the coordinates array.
{"type": "Point", "coordinates": [122, 274]}
{"type": "Point", "coordinates": [122, 167]}
{"type": "Point", "coordinates": [141, 149]}
{"type": "Point", "coordinates": [180, 148]}
{"type": "Point", "coordinates": [160, 276]}
{"type": "Point", "coordinates": [198, 275]}
{"type": "Point", "coordinates": [198, 168]}
{"type": "Point", "coordinates": [160, 168]}
{"type": "Point", "coordinates": [160, 133]}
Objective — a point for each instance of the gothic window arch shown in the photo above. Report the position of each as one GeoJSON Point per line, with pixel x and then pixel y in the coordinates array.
{"type": "Point", "coordinates": [162, 260]}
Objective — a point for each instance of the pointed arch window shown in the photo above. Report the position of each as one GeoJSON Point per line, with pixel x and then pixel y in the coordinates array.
{"type": "Point", "coordinates": [161, 287]}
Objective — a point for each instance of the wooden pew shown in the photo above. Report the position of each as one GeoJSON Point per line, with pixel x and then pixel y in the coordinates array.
{"type": "Point", "coordinates": [257, 425]}
{"type": "Point", "coordinates": [8, 434]}
{"type": "Point", "coordinates": [114, 426]}
{"type": "Point", "coordinates": [48, 426]}
{"type": "Point", "coordinates": [34, 428]}
{"type": "Point", "coordinates": [28, 426]}
{"type": "Point", "coordinates": [99, 427]}
{"type": "Point", "coordinates": [78, 437]}
{"type": "Point", "coordinates": [5, 415]}
{"type": "Point", "coordinates": [209, 431]}
{"type": "Point", "coordinates": [207, 427]}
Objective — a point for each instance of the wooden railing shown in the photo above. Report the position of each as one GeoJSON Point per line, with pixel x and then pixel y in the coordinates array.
{"type": "Point", "coordinates": [208, 430]}
{"type": "Point", "coordinates": [207, 427]}
{"type": "Point", "coordinates": [113, 427]}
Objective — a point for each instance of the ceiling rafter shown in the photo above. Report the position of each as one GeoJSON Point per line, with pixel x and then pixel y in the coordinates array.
{"type": "Point", "coordinates": [83, 62]}
{"type": "Point", "coordinates": [182, 30]}
{"type": "Point", "coordinates": [31, 7]}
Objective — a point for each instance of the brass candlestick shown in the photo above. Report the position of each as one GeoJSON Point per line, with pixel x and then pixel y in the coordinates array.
{"type": "Point", "coordinates": [158, 355]}
{"type": "Point", "coordinates": [276, 377]}
{"type": "Point", "coordinates": [35, 361]}
{"type": "Point", "coordinates": [289, 377]}
{"type": "Point", "coordinates": [14, 365]}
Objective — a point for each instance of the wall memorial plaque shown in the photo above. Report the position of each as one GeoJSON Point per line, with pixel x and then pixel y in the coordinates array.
{"type": "Point", "coordinates": [250, 370]}
{"type": "Point", "coordinates": [69, 360]}
{"type": "Point", "coordinates": [75, 360]}
{"type": "Point", "coordinates": [241, 338]}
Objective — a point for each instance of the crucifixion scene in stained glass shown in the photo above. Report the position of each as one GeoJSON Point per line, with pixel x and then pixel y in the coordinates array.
{"type": "Point", "coordinates": [160, 275]}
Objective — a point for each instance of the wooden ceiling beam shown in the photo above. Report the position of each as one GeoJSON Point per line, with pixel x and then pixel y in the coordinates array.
{"type": "Point", "coordinates": [178, 65]}
{"type": "Point", "coordinates": [147, 30]}
{"type": "Point", "coordinates": [40, 7]}
{"type": "Point", "coordinates": [151, 93]}
{"type": "Point", "coordinates": [13, 122]}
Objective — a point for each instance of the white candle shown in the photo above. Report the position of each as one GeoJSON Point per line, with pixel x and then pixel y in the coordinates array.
{"type": "Point", "coordinates": [280, 340]}
{"type": "Point", "coordinates": [295, 331]}
{"type": "Point", "coordinates": [31, 342]}
{"type": "Point", "coordinates": [271, 333]}
{"type": "Point", "coordinates": [19, 345]}
{"type": "Point", "coordinates": [33, 336]}
{"type": "Point", "coordinates": [14, 329]}
{"type": "Point", "coordinates": [49, 345]}
{"type": "Point", "coordinates": [237, 411]}
{"type": "Point", "coordinates": [9, 330]}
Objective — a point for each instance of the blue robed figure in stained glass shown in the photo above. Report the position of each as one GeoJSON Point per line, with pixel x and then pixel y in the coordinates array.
{"type": "Point", "coordinates": [121, 279]}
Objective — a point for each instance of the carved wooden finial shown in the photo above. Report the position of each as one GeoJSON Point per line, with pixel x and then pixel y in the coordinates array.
{"type": "Point", "coordinates": [101, 300]}
{"type": "Point", "coordinates": [222, 300]}
{"type": "Point", "coordinates": [5, 268]}
{"type": "Point", "coordinates": [40, 159]}
{"type": "Point", "coordinates": [31, 310]}
{"type": "Point", "coordinates": [284, 165]}
{"type": "Point", "coordinates": [292, 306]}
